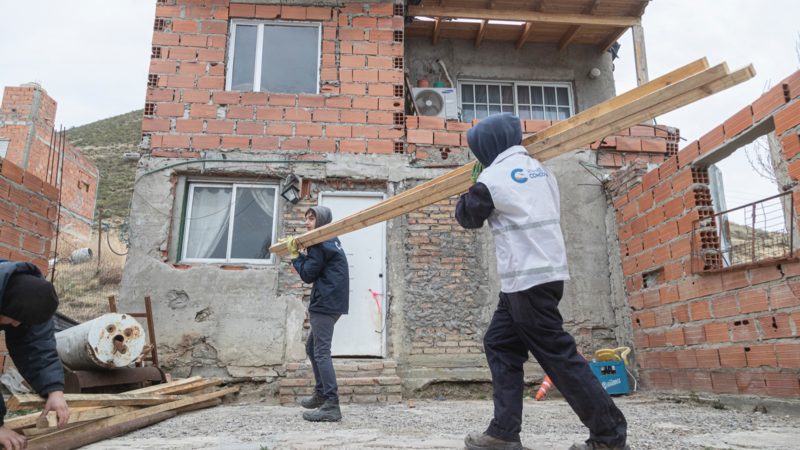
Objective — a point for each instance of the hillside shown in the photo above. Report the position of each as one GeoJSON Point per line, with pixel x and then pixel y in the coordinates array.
{"type": "Point", "coordinates": [104, 142]}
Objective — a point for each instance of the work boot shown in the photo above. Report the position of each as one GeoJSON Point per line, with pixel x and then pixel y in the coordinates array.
{"type": "Point", "coordinates": [328, 412]}
{"type": "Point", "coordinates": [482, 441]}
{"type": "Point", "coordinates": [313, 402]}
{"type": "Point", "coordinates": [594, 445]}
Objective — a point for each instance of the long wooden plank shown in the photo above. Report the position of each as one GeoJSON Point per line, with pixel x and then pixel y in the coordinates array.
{"type": "Point", "coordinates": [35, 401]}
{"type": "Point", "coordinates": [588, 115]}
{"type": "Point", "coordinates": [522, 15]}
{"type": "Point", "coordinates": [681, 87]}
{"type": "Point", "coordinates": [79, 436]}
{"type": "Point", "coordinates": [89, 414]}
{"type": "Point", "coordinates": [29, 420]}
{"type": "Point", "coordinates": [161, 388]}
{"type": "Point", "coordinates": [93, 428]}
{"type": "Point", "coordinates": [191, 387]}
{"type": "Point", "coordinates": [711, 88]}
{"type": "Point", "coordinates": [620, 101]}
{"type": "Point", "coordinates": [458, 177]}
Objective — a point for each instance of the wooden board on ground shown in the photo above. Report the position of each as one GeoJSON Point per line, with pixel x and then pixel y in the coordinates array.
{"type": "Point", "coordinates": [35, 401]}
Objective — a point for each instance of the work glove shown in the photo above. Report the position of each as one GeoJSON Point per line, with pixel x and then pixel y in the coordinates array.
{"type": "Point", "coordinates": [292, 246]}
{"type": "Point", "coordinates": [476, 171]}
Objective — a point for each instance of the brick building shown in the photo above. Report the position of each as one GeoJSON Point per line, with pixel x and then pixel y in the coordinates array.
{"type": "Point", "coordinates": [244, 93]}
{"type": "Point", "coordinates": [703, 319]}
{"type": "Point", "coordinates": [27, 121]}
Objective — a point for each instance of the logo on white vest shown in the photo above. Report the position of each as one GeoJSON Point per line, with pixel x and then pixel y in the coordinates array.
{"type": "Point", "coordinates": [521, 175]}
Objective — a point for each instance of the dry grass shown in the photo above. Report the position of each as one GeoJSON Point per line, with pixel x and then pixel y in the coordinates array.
{"type": "Point", "coordinates": [83, 289]}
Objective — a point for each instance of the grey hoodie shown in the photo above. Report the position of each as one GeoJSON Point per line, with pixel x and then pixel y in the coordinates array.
{"type": "Point", "coordinates": [494, 135]}
{"type": "Point", "coordinates": [322, 213]}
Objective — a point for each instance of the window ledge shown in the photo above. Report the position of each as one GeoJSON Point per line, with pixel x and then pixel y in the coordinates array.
{"type": "Point", "coordinates": [754, 265]}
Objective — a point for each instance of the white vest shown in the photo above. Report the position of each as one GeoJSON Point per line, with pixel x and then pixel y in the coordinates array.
{"type": "Point", "coordinates": [525, 222]}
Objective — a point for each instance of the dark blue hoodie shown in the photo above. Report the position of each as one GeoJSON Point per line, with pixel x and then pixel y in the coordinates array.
{"type": "Point", "coordinates": [494, 135]}
{"type": "Point", "coordinates": [32, 347]}
{"type": "Point", "coordinates": [325, 265]}
{"type": "Point", "coordinates": [489, 138]}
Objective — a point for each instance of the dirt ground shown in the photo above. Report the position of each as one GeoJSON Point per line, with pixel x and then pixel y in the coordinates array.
{"type": "Point", "coordinates": [653, 423]}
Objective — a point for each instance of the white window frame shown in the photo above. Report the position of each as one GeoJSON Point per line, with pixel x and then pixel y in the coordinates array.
{"type": "Point", "coordinates": [260, 50]}
{"type": "Point", "coordinates": [514, 85]}
{"type": "Point", "coordinates": [231, 211]}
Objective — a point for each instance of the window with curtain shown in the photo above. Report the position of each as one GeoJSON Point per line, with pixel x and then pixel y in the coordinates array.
{"type": "Point", "coordinates": [537, 101]}
{"type": "Point", "coordinates": [274, 57]}
{"type": "Point", "coordinates": [229, 222]}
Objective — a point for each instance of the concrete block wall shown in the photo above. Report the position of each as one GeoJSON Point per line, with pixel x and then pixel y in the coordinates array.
{"type": "Point", "coordinates": [359, 108]}
{"type": "Point", "coordinates": [729, 332]}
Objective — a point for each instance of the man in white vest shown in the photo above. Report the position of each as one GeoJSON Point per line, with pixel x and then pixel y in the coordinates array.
{"type": "Point", "coordinates": [519, 198]}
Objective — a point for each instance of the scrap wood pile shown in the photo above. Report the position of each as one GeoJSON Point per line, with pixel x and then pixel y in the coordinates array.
{"type": "Point", "coordinates": [674, 90]}
{"type": "Point", "coordinates": [95, 417]}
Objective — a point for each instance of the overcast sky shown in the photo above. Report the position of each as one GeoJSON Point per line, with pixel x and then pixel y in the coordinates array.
{"type": "Point", "coordinates": [92, 56]}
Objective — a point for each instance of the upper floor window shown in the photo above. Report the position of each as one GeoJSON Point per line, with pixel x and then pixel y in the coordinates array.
{"type": "Point", "coordinates": [530, 101]}
{"type": "Point", "coordinates": [3, 148]}
{"type": "Point", "coordinates": [274, 57]}
{"type": "Point", "coordinates": [229, 222]}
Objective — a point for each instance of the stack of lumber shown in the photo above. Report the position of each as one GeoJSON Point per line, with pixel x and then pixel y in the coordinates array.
{"type": "Point", "coordinates": [95, 417]}
{"type": "Point", "coordinates": [674, 90]}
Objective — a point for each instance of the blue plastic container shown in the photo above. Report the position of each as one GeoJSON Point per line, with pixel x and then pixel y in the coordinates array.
{"type": "Point", "coordinates": [612, 376]}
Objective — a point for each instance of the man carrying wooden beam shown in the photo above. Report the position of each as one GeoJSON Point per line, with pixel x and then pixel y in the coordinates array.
{"type": "Point", "coordinates": [519, 198]}
{"type": "Point", "coordinates": [325, 265]}
{"type": "Point", "coordinates": [27, 305]}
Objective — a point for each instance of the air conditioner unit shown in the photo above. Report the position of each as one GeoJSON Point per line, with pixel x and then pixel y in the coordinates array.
{"type": "Point", "coordinates": [437, 102]}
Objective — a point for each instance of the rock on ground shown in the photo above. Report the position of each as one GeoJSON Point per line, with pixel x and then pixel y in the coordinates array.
{"type": "Point", "coordinates": [550, 424]}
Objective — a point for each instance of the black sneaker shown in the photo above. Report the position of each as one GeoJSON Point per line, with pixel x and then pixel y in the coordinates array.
{"type": "Point", "coordinates": [328, 412]}
{"type": "Point", "coordinates": [482, 441]}
{"type": "Point", "coordinates": [594, 445]}
{"type": "Point", "coordinates": [313, 402]}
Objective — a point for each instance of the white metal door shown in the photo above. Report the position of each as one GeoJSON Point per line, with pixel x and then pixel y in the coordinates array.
{"type": "Point", "coordinates": [361, 331]}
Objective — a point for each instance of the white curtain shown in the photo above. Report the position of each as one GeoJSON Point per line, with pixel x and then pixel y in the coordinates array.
{"type": "Point", "coordinates": [208, 220]}
{"type": "Point", "coordinates": [265, 198]}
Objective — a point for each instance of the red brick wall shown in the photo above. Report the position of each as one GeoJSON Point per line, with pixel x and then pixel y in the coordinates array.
{"type": "Point", "coordinates": [28, 114]}
{"type": "Point", "coordinates": [28, 209]}
{"type": "Point", "coordinates": [724, 332]}
{"type": "Point", "coordinates": [356, 110]}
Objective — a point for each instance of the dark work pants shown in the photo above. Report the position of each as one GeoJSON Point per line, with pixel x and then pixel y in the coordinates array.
{"type": "Point", "coordinates": [318, 349]}
{"type": "Point", "coordinates": [529, 321]}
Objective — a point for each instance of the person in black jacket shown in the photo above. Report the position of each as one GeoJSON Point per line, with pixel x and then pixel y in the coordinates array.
{"type": "Point", "coordinates": [28, 303]}
{"type": "Point", "coordinates": [325, 265]}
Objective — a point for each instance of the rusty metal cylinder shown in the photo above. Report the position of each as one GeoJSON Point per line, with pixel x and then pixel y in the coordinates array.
{"type": "Point", "coordinates": [107, 342]}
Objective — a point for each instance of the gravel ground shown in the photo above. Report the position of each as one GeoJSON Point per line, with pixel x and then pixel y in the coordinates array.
{"type": "Point", "coordinates": [652, 424]}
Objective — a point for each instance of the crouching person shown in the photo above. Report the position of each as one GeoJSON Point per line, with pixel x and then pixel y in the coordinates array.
{"type": "Point", "coordinates": [519, 198]}
{"type": "Point", "coordinates": [28, 303]}
{"type": "Point", "coordinates": [325, 265]}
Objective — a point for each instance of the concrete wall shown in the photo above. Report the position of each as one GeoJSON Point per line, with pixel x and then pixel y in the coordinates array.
{"type": "Point", "coordinates": [500, 61]}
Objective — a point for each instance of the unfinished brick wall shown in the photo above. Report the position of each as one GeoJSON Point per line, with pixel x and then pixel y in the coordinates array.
{"type": "Point", "coordinates": [27, 118]}
{"type": "Point", "coordinates": [28, 210]}
{"type": "Point", "coordinates": [359, 108]}
{"type": "Point", "coordinates": [729, 332]}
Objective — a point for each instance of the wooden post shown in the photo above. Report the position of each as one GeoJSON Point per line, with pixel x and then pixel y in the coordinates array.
{"type": "Point", "coordinates": [99, 236]}
{"type": "Point", "coordinates": [151, 329]}
{"type": "Point", "coordinates": [639, 55]}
